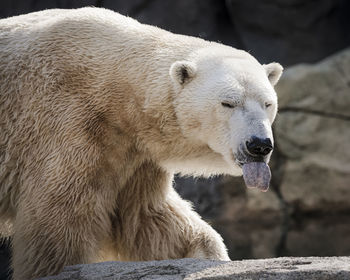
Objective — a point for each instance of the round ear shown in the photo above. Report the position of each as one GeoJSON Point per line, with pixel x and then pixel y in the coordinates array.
{"type": "Point", "coordinates": [274, 71]}
{"type": "Point", "coordinates": [182, 71]}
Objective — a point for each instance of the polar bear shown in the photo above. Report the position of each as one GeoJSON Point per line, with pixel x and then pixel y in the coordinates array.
{"type": "Point", "coordinates": [97, 113]}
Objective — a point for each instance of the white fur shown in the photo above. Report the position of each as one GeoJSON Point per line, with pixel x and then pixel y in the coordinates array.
{"type": "Point", "coordinates": [226, 75]}
{"type": "Point", "coordinates": [97, 113]}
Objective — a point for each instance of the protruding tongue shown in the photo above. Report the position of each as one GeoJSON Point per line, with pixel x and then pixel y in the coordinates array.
{"type": "Point", "coordinates": [257, 175]}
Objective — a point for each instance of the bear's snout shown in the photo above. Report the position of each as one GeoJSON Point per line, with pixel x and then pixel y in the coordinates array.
{"type": "Point", "coordinates": [259, 147]}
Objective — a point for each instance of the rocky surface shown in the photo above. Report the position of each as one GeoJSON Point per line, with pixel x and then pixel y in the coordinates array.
{"type": "Point", "coordinates": [335, 268]}
{"type": "Point", "coordinates": [313, 132]}
{"type": "Point", "coordinates": [5, 271]}
{"type": "Point", "coordinates": [291, 31]}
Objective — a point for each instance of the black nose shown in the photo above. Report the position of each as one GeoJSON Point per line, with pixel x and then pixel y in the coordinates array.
{"type": "Point", "coordinates": [259, 146]}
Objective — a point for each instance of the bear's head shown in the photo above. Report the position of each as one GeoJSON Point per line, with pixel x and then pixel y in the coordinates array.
{"type": "Point", "coordinates": [225, 98]}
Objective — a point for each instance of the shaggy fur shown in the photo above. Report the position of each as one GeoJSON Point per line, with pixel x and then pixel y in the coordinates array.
{"type": "Point", "coordinates": [89, 139]}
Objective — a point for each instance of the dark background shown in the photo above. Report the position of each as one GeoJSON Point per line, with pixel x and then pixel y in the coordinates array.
{"type": "Point", "coordinates": [288, 31]}
{"type": "Point", "coordinates": [291, 32]}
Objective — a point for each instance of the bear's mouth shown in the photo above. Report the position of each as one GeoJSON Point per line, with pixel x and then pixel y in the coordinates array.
{"type": "Point", "coordinates": [256, 172]}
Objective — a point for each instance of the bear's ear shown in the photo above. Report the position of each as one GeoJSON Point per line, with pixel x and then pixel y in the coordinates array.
{"type": "Point", "coordinates": [182, 71]}
{"type": "Point", "coordinates": [274, 71]}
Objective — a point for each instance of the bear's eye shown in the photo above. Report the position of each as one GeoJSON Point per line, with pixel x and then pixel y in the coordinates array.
{"type": "Point", "coordinates": [227, 105]}
{"type": "Point", "coordinates": [267, 105]}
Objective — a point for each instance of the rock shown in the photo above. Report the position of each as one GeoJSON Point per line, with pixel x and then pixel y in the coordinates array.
{"type": "Point", "coordinates": [251, 240]}
{"type": "Point", "coordinates": [312, 133]}
{"type": "Point", "coordinates": [227, 199]}
{"type": "Point", "coordinates": [319, 237]}
{"type": "Point", "coordinates": [323, 86]}
{"type": "Point", "coordinates": [191, 269]}
{"type": "Point", "coordinates": [207, 19]}
{"type": "Point", "coordinates": [5, 256]}
{"type": "Point", "coordinates": [291, 31]}
{"type": "Point", "coordinates": [260, 203]}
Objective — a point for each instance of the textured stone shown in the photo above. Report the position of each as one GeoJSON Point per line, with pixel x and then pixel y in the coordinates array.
{"type": "Point", "coordinates": [313, 132]}
{"type": "Point", "coordinates": [291, 31]}
{"type": "Point", "coordinates": [226, 199]}
{"type": "Point", "coordinates": [260, 202]}
{"type": "Point", "coordinates": [5, 257]}
{"type": "Point", "coordinates": [323, 86]}
{"type": "Point", "coordinates": [334, 268]}
{"type": "Point", "coordinates": [207, 19]}
{"type": "Point", "coordinates": [319, 237]}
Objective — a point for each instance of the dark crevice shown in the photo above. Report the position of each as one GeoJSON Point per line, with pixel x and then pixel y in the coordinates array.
{"type": "Point", "coordinates": [229, 21]}
{"type": "Point", "coordinates": [314, 112]}
{"type": "Point", "coordinates": [290, 212]}
{"type": "Point", "coordinates": [134, 11]}
{"type": "Point", "coordinates": [99, 3]}
{"type": "Point", "coordinates": [5, 259]}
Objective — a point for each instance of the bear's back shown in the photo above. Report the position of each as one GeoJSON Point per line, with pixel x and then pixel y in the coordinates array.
{"type": "Point", "coordinates": [52, 61]}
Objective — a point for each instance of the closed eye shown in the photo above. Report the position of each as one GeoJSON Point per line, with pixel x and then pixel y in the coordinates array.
{"type": "Point", "coordinates": [227, 105]}
{"type": "Point", "coordinates": [267, 105]}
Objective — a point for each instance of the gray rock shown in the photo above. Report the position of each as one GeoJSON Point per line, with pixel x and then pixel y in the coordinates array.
{"type": "Point", "coordinates": [313, 132]}
{"type": "Point", "coordinates": [207, 19]}
{"type": "Point", "coordinates": [319, 237]}
{"type": "Point", "coordinates": [291, 31]}
{"type": "Point", "coordinates": [5, 257]}
{"type": "Point", "coordinates": [227, 199]}
{"type": "Point", "coordinates": [191, 269]}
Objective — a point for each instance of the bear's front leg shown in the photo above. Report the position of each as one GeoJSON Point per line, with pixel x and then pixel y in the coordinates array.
{"type": "Point", "coordinates": [203, 241]}
{"type": "Point", "coordinates": [58, 225]}
{"type": "Point", "coordinates": [157, 224]}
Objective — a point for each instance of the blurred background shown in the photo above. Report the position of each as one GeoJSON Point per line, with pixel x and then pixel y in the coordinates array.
{"type": "Point", "coordinates": [306, 212]}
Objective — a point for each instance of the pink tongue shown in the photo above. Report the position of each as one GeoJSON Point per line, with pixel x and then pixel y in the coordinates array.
{"type": "Point", "coordinates": [257, 175]}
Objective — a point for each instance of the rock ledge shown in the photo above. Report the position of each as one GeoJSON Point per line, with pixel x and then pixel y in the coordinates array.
{"type": "Point", "coordinates": [279, 268]}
